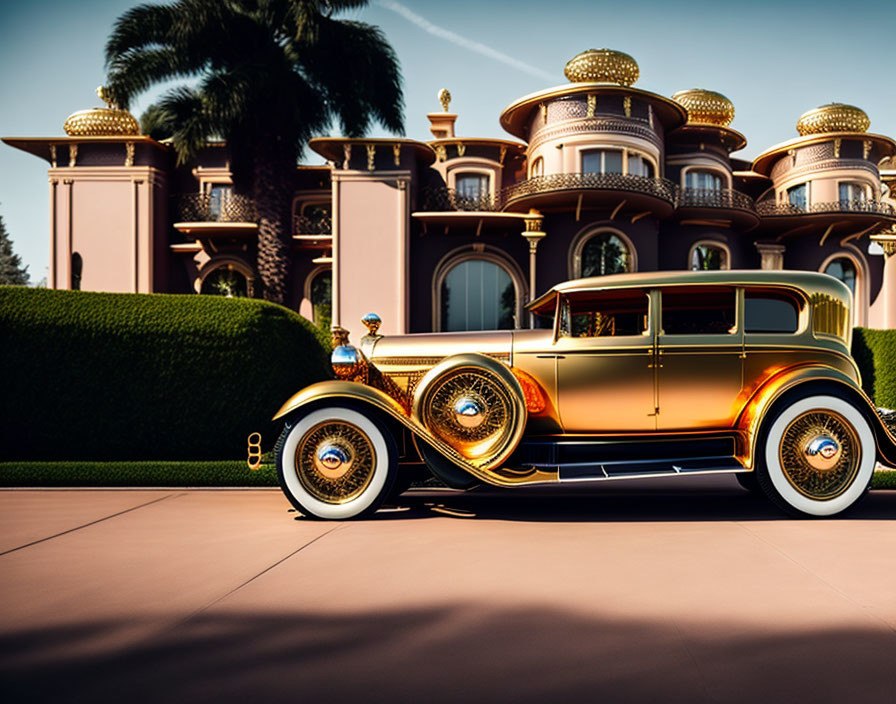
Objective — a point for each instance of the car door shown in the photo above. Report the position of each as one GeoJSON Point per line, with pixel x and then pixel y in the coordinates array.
{"type": "Point", "coordinates": [700, 357]}
{"type": "Point", "coordinates": [604, 352]}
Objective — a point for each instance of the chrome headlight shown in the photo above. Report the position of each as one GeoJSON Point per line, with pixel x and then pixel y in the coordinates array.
{"type": "Point", "coordinates": [347, 361]}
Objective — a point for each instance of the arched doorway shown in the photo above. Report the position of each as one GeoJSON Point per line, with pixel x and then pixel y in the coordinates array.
{"type": "Point", "coordinates": [476, 291]}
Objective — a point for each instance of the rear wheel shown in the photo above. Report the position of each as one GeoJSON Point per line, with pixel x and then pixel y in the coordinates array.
{"type": "Point", "coordinates": [817, 456]}
{"type": "Point", "coordinates": [336, 463]}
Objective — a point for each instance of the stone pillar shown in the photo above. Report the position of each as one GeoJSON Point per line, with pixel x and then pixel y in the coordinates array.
{"type": "Point", "coordinates": [772, 255]}
{"type": "Point", "coordinates": [887, 241]}
{"type": "Point", "coordinates": [371, 223]}
{"type": "Point", "coordinates": [533, 234]}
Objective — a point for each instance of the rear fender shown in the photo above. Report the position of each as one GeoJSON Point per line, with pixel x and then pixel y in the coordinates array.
{"type": "Point", "coordinates": [790, 380]}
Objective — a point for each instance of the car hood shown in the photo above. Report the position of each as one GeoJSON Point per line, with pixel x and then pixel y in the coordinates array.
{"type": "Point", "coordinates": [432, 347]}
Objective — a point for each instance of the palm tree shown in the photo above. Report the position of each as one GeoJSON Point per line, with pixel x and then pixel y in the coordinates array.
{"type": "Point", "coordinates": [267, 76]}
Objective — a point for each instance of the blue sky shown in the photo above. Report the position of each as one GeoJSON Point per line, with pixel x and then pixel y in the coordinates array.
{"type": "Point", "coordinates": [774, 60]}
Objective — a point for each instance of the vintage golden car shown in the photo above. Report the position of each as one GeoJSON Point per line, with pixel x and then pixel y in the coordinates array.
{"type": "Point", "coordinates": [630, 375]}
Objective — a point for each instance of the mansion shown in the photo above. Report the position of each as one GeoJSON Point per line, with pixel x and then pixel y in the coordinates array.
{"type": "Point", "coordinates": [459, 233]}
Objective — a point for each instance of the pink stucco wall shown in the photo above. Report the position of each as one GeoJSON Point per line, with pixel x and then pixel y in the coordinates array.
{"type": "Point", "coordinates": [371, 243]}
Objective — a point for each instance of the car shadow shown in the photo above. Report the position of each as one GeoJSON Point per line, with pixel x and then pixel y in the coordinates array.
{"type": "Point", "coordinates": [686, 499]}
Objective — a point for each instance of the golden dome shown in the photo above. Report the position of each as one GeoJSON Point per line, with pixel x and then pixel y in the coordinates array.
{"type": "Point", "coordinates": [705, 107]}
{"type": "Point", "coordinates": [834, 117]}
{"type": "Point", "coordinates": [602, 66]}
{"type": "Point", "coordinates": [110, 121]}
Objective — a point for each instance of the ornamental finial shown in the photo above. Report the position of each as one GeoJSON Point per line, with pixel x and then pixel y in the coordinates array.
{"type": "Point", "coordinates": [103, 94]}
{"type": "Point", "coordinates": [445, 99]}
{"type": "Point", "coordinates": [372, 322]}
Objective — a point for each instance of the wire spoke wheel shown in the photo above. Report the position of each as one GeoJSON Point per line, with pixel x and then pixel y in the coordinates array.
{"type": "Point", "coordinates": [334, 461]}
{"type": "Point", "coordinates": [470, 411]}
{"type": "Point", "coordinates": [820, 454]}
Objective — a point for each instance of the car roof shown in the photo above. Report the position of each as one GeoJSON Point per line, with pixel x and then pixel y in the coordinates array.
{"type": "Point", "coordinates": [806, 281]}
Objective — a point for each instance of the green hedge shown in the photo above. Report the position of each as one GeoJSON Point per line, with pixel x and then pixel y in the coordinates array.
{"type": "Point", "coordinates": [136, 474]}
{"type": "Point", "coordinates": [875, 353]}
{"type": "Point", "coordinates": [103, 376]}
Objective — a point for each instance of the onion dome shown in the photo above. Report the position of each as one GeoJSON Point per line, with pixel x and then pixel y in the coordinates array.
{"type": "Point", "coordinates": [110, 121]}
{"type": "Point", "coordinates": [705, 107]}
{"type": "Point", "coordinates": [834, 117]}
{"type": "Point", "coordinates": [602, 66]}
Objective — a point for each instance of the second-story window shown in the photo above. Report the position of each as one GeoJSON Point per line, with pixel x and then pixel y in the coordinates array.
{"type": "Point", "coordinates": [703, 180]}
{"type": "Point", "coordinates": [639, 166]}
{"type": "Point", "coordinates": [798, 196]}
{"type": "Point", "coordinates": [851, 192]}
{"type": "Point", "coordinates": [537, 168]}
{"type": "Point", "coordinates": [471, 185]}
{"type": "Point", "coordinates": [602, 161]}
{"type": "Point", "coordinates": [218, 197]}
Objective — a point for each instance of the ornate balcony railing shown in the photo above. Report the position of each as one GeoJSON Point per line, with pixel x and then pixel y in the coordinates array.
{"type": "Point", "coordinates": [313, 225]}
{"type": "Point", "coordinates": [661, 188]}
{"type": "Point", "coordinates": [714, 198]}
{"type": "Point", "coordinates": [771, 208]}
{"type": "Point", "coordinates": [441, 198]}
{"type": "Point", "coordinates": [204, 207]}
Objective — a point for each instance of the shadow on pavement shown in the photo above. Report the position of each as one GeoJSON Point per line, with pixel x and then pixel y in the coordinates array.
{"type": "Point", "coordinates": [450, 654]}
{"type": "Point", "coordinates": [674, 499]}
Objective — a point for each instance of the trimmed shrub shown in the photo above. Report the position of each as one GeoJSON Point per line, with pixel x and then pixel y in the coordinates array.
{"type": "Point", "coordinates": [875, 353]}
{"type": "Point", "coordinates": [104, 376]}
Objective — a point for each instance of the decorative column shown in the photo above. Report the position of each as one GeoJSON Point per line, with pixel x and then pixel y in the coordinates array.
{"type": "Point", "coordinates": [772, 255]}
{"type": "Point", "coordinates": [887, 241]}
{"type": "Point", "coordinates": [533, 234]}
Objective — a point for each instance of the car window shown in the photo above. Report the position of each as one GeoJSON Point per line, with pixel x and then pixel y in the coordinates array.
{"type": "Point", "coordinates": [770, 312]}
{"type": "Point", "coordinates": [617, 313]}
{"type": "Point", "coordinates": [699, 310]}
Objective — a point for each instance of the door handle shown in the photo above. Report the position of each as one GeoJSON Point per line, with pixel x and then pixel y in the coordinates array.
{"type": "Point", "coordinates": [550, 356]}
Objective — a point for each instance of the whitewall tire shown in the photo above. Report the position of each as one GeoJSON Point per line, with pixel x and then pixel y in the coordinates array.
{"type": "Point", "coordinates": [336, 463]}
{"type": "Point", "coordinates": [817, 456]}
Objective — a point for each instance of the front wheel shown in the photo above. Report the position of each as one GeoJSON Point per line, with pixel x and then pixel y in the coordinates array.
{"type": "Point", "coordinates": [817, 456]}
{"type": "Point", "coordinates": [336, 463]}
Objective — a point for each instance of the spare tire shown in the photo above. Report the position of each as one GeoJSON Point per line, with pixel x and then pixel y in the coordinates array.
{"type": "Point", "coordinates": [474, 405]}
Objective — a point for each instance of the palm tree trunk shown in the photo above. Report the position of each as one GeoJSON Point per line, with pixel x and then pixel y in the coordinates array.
{"type": "Point", "coordinates": [274, 229]}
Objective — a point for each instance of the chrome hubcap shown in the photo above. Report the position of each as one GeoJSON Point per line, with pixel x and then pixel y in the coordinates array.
{"type": "Point", "coordinates": [822, 452]}
{"type": "Point", "coordinates": [333, 459]}
{"type": "Point", "coordinates": [468, 412]}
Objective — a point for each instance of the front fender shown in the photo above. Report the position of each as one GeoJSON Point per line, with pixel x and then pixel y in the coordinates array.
{"type": "Point", "coordinates": [750, 420]}
{"type": "Point", "coordinates": [360, 393]}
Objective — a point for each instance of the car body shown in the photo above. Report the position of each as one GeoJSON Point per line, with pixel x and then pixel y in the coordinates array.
{"type": "Point", "coordinates": [629, 375]}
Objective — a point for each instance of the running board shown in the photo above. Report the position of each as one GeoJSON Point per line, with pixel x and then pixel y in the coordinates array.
{"type": "Point", "coordinates": [594, 471]}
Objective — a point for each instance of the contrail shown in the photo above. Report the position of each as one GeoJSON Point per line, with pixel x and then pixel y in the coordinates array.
{"type": "Point", "coordinates": [447, 35]}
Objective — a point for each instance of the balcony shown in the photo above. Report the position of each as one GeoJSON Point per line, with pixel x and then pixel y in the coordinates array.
{"type": "Point", "coordinates": [592, 190]}
{"type": "Point", "coordinates": [717, 204]}
{"type": "Point", "coordinates": [853, 213]}
{"type": "Point", "coordinates": [444, 200]}
{"type": "Point", "coordinates": [770, 208]}
{"type": "Point", "coordinates": [202, 215]}
{"type": "Point", "coordinates": [203, 207]}
{"type": "Point", "coordinates": [313, 231]}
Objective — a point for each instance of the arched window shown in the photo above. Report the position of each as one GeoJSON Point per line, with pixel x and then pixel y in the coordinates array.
{"type": "Point", "coordinates": [321, 296]}
{"type": "Point", "coordinates": [706, 256]}
{"type": "Point", "coordinates": [843, 268]}
{"type": "Point", "coordinates": [225, 281]}
{"type": "Point", "coordinates": [604, 253]}
{"type": "Point", "coordinates": [477, 294]}
{"type": "Point", "coordinates": [471, 185]}
{"type": "Point", "coordinates": [537, 168]}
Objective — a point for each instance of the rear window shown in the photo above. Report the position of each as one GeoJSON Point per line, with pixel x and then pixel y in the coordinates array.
{"type": "Point", "coordinates": [770, 312]}
{"type": "Point", "coordinates": [699, 310]}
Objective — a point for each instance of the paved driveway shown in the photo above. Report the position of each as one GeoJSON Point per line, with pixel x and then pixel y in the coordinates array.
{"type": "Point", "coordinates": [680, 590]}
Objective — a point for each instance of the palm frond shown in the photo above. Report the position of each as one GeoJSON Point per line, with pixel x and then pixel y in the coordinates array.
{"type": "Point", "coordinates": [136, 70]}
{"type": "Point", "coordinates": [186, 110]}
{"type": "Point", "coordinates": [140, 26]}
{"type": "Point", "coordinates": [359, 74]}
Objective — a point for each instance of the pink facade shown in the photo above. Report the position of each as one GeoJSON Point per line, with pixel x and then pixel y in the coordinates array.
{"type": "Point", "coordinates": [596, 176]}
